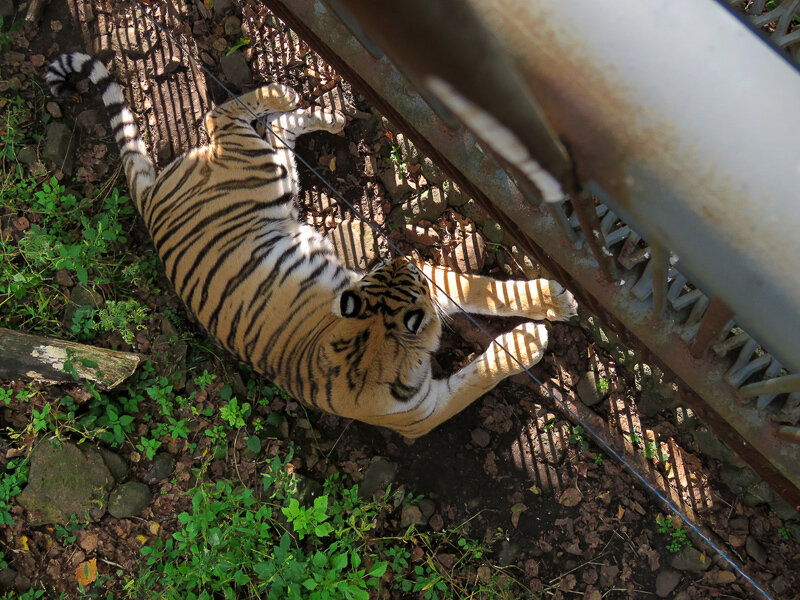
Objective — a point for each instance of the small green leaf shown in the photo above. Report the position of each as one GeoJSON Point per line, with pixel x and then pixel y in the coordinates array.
{"type": "Point", "coordinates": [378, 569]}
{"type": "Point", "coordinates": [254, 444]}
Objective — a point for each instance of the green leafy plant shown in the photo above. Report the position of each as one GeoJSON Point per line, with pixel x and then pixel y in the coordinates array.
{"type": "Point", "coordinates": [241, 43]}
{"type": "Point", "coordinates": [603, 385]}
{"type": "Point", "coordinates": [678, 538]}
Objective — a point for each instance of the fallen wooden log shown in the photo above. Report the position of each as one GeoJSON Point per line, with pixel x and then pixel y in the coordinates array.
{"type": "Point", "coordinates": [23, 355]}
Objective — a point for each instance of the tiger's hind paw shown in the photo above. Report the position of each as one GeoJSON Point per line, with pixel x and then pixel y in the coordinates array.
{"type": "Point", "coordinates": [562, 305]}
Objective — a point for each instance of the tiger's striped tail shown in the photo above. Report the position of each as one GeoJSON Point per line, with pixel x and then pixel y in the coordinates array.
{"type": "Point", "coordinates": [139, 169]}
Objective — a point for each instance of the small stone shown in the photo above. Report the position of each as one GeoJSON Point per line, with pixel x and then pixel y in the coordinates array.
{"type": "Point", "coordinates": [690, 559]}
{"type": "Point", "coordinates": [758, 493]}
{"type": "Point", "coordinates": [54, 109]}
{"type": "Point", "coordinates": [452, 194]}
{"type": "Point", "coordinates": [83, 296]}
{"type": "Point", "coordinates": [307, 489]}
{"type": "Point", "coordinates": [725, 577]}
{"type": "Point", "coordinates": [6, 9]}
{"type": "Point", "coordinates": [755, 550]}
{"type": "Point", "coordinates": [370, 166]}
{"type": "Point", "coordinates": [27, 155]}
{"type": "Point", "coordinates": [427, 236]}
{"type": "Point", "coordinates": [397, 186]}
{"type": "Point", "coordinates": [87, 119]}
{"type": "Point", "coordinates": [481, 437]}
{"type": "Point", "coordinates": [587, 389]}
{"type": "Point", "coordinates": [493, 232]}
{"type": "Point", "coordinates": [236, 70]}
{"type": "Point", "coordinates": [737, 479]}
{"type": "Point", "coordinates": [412, 515]}
{"type": "Point", "coordinates": [7, 576]}
{"type": "Point", "coordinates": [666, 581]}
{"type": "Point", "coordinates": [162, 467]}
{"type": "Point", "coordinates": [59, 146]}
{"type": "Point", "coordinates": [129, 499]}
{"type": "Point", "coordinates": [232, 25]}
{"type": "Point", "coordinates": [507, 554]}
{"type": "Point", "coordinates": [378, 475]}
{"type": "Point", "coordinates": [207, 59]}
{"type": "Point", "coordinates": [355, 244]}
{"type": "Point", "coordinates": [529, 266]}
{"type": "Point", "coordinates": [163, 150]}
{"type": "Point", "coordinates": [711, 445]}
{"type": "Point", "coordinates": [431, 172]}
{"type": "Point", "coordinates": [784, 510]}
{"type": "Point", "coordinates": [115, 463]}
{"type": "Point", "coordinates": [650, 403]}
{"type": "Point", "coordinates": [469, 255]}
{"type": "Point", "coordinates": [173, 66]}
{"type": "Point", "coordinates": [222, 7]}
{"type": "Point", "coordinates": [427, 507]}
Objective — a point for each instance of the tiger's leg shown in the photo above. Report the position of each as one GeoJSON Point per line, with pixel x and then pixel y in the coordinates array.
{"type": "Point", "coordinates": [447, 397]}
{"type": "Point", "coordinates": [234, 117]}
{"type": "Point", "coordinates": [534, 299]}
{"type": "Point", "coordinates": [288, 126]}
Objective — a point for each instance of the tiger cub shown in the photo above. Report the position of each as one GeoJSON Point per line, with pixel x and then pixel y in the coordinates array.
{"type": "Point", "coordinates": [270, 289]}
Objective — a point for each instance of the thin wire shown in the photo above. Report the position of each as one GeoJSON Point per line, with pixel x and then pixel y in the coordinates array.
{"type": "Point", "coordinates": [533, 377]}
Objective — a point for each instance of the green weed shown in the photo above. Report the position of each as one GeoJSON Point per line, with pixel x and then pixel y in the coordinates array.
{"type": "Point", "coordinates": [678, 538]}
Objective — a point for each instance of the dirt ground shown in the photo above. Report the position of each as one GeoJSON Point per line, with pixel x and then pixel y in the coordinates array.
{"type": "Point", "coordinates": [567, 520]}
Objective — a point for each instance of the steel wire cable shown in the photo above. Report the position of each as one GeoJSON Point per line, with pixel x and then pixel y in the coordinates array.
{"type": "Point", "coordinates": [533, 377]}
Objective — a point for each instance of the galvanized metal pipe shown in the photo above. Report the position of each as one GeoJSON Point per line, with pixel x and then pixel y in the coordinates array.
{"type": "Point", "coordinates": [649, 101]}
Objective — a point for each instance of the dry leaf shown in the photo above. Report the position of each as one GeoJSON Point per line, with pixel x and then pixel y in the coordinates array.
{"type": "Point", "coordinates": [332, 164]}
{"type": "Point", "coordinates": [86, 572]}
{"type": "Point", "coordinates": [620, 512]}
{"type": "Point", "coordinates": [516, 511]}
{"type": "Point", "coordinates": [570, 497]}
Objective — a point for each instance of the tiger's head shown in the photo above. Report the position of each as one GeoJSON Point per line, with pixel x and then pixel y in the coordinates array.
{"type": "Point", "coordinates": [394, 302]}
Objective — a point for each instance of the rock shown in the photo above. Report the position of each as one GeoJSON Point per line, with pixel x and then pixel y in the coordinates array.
{"type": "Point", "coordinates": [430, 204]}
{"type": "Point", "coordinates": [507, 554]}
{"type": "Point", "coordinates": [59, 146]}
{"type": "Point", "coordinates": [650, 403]}
{"type": "Point", "coordinates": [427, 507]}
{"type": "Point", "coordinates": [738, 479]}
{"type": "Point", "coordinates": [232, 26]}
{"type": "Point", "coordinates": [27, 155]}
{"type": "Point", "coordinates": [427, 236]}
{"type": "Point", "coordinates": [7, 9]}
{"type": "Point", "coordinates": [725, 577]}
{"type": "Point", "coordinates": [54, 109]}
{"type": "Point", "coordinates": [88, 119]}
{"type": "Point", "coordinates": [469, 255]}
{"type": "Point", "coordinates": [690, 559]}
{"type": "Point", "coordinates": [755, 550]}
{"type": "Point", "coordinates": [412, 515]}
{"type": "Point", "coordinates": [666, 581]}
{"type": "Point", "coordinates": [163, 150]}
{"type": "Point", "coordinates": [222, 7]}
{"type": "Point", "coordinates": [370, 165]}
{"type": "Point", "coordinates": [129, 499]}
{"type": "Point", "coordinates": [784, 510]}
{"type": "Point", "coordinates": [758, 493]}
{"type": "Point", "coordinates": [7, 577]}
{"type": "Point", "coordinates": [65, 481]}
{"type": "Point", "coordinates": [115, 463]}
{"type": "Point", "coordinates": [407, 148]}
{"type": "Point", "coordinates": [397, 185]}
{"type": "Point", "coordinates": [307, 489]}
{"type": "Point", "coordinates": [83, 296]}
{"type": "Point", "coordinates": [587, 389]}
{"type": "Point", "coordinates": [162, 467]}
{"type": "Point", "coordinates": [711, 445]}
{"type": "Point", "coordinates": [481, 437]}
{"type": "Point", "coordinates": [431, 172]}
{"type": "Point", "coordinates": [378, 475]}
{"type": "Point", "coordinates": [355, 244]}
{"type": "Point", "coordinates": [236, 70]}
{"type": "Point", "coordinates": [493, 232]}
{"type": "Point", "coordinates": [452, 194]}
{"type": "Point", "coordinates": [528, 265]}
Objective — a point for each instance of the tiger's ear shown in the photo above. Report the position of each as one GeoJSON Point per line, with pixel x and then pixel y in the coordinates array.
{"type": "Point", "coordinates": [349, 304]}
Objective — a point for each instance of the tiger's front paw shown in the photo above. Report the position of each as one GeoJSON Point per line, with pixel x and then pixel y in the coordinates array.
{"type": "Point", "coordinates": [526, 343]}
